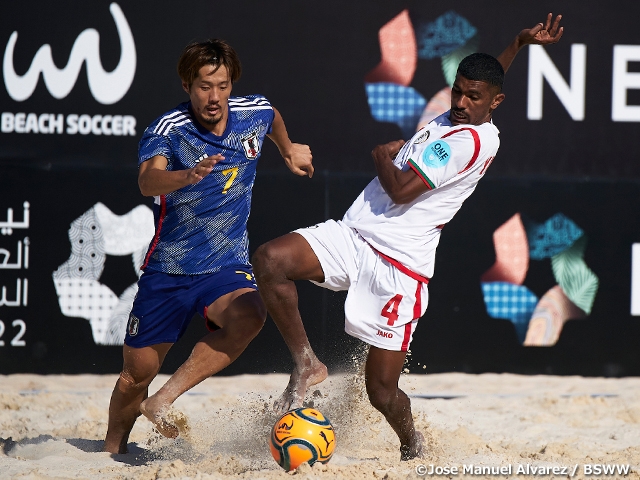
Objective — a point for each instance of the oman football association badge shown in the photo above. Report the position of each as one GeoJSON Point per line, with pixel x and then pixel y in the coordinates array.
{"type": "Point", "coordinates": [251, 146]}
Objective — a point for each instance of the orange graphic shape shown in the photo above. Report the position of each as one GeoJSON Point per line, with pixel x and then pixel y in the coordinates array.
{"type": "Point", "coordinates": [512, 253]}
{"type": "Point", "coordinates": [549, 316]}
{"type": "Point", "coordinates": [439, 103]}
{"type": "Point", "coordinates": [398, 50]}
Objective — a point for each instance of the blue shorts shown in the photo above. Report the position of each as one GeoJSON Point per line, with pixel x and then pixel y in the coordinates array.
{"type": "Point", "coordinates": [166, 303]}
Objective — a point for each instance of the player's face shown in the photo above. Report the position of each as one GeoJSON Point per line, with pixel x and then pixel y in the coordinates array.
{"type": "Point", "coordinates": [209, 94]}
{"type": "Point", "coordinates": [472, 101]}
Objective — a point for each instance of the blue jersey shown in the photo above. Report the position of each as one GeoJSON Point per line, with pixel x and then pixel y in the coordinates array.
{"type": "Point", "coordinates": [202, 228]}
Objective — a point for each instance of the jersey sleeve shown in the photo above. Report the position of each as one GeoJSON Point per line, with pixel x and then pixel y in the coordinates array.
{"type": "Point", "coordinates": [152, 144]}
{"type": "Point", "coordinates": [442, 159]}
{"type": "Point", "coordinates": [261, 104]}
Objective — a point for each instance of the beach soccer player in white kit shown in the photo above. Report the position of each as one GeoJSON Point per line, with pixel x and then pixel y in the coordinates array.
{"type": "Point", "coordinates": [383, 250]}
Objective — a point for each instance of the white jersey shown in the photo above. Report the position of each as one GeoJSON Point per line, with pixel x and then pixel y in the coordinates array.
{"type": "Point", "coordinates": [450, 160]}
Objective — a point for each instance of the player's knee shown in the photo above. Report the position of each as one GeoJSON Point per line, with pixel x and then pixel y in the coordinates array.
{"type": "Point", "coordinates": [255, 321]}
{"type": "Point", "coordinates": [380, 397]}
{"type": "Point", "coordinates": [131, 382]}
{"type": "Point", "coordinates": [253, 328]}
{"type": "Point", "coordinates": [249, 320]}
{"type": "Point", "coordinates": [266, 261]}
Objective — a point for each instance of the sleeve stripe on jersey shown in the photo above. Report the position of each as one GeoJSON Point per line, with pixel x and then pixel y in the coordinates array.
{"type": "Point", "coordinates": [255, 107]}
{"type": "Point", "coordinates": [164, 126]}
{"type": "Point", "coordinates": [246, 101]}
{"type": "Point", "coordinates": [243, 103]}
{"type": "Point", "coordinates": [182, 121]}
{"type": "Point", "coordinates": [414, 166]}
{"type": "Point", "coordinates": [476, 141]}
{"type": "Point", "coordinates": [171, 118]}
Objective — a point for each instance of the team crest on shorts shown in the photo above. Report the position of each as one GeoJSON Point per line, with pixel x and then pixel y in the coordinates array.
{"type": "Point", "coordinates": [251, 146]}
{"type": "Point", "coordinates": [134, 325]}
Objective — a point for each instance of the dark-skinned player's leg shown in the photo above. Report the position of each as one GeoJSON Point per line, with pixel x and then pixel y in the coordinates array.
{"type": "Point", "coordinates": [382, 373]}
{"type": "Point", "coordinates": [276, 265]}
{"type": "Point", "coordinates": [240, 315]}
{"type": "Point", "coordinates": [141, 365]}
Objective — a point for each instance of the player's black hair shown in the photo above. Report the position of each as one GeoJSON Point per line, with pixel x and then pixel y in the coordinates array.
{"type": "Point", "coordinates": [482, 67]}
{"type": "Point", "coordinates": [210, 52]}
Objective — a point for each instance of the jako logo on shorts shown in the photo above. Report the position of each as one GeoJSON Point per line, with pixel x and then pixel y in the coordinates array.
{"type": "Point", "coordinates": [106, 87]}
{"type": "Point", "coordinates": [384, 334]}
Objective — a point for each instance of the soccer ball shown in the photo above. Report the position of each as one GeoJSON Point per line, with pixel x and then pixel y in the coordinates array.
{"type": "Point", "coordinates": [302, 435]}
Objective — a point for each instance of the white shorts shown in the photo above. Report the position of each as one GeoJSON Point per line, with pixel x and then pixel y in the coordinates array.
{"type": "Point", "coordinates": [384, 299]}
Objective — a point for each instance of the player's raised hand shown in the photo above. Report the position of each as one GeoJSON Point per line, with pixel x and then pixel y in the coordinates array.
{"type": "Point", "coordinates": [543, 33]}
{"type": "Point", "coordinates": [203, 168]}
{"type": "Point", "coordinates": [298, 159]}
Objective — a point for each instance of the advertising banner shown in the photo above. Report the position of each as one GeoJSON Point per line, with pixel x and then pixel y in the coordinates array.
{"type": "Point", "coordinates": [538, 273]}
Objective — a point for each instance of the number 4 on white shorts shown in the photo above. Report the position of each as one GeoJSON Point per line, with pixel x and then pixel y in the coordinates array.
{"type": "Point", "coordinates": [390, 310]}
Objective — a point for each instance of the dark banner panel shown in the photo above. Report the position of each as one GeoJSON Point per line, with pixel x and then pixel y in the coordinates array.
{"type": "Point", "coordinates": [68, 257]}
{"type": "Point", "coordinates": [83, 79]}
{"type": "Point", "coordinates": [538, 273]}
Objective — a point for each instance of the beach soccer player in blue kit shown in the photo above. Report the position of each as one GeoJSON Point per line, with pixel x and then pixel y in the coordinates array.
{"type": "Point", "coordinates": [198, 161]}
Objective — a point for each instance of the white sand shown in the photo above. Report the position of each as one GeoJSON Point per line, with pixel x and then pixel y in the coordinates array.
{"type": "Point", "coordinates": [53, 426]}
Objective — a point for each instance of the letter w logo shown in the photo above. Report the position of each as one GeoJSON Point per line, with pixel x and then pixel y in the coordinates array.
{"type": "Point", "coordinates": [106, 87]}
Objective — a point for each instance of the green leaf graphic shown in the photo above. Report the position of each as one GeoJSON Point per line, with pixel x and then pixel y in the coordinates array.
{"type": "Point", "coordinates": [451, 61]}
{"type": "Point", "coordinates": [577, 281]}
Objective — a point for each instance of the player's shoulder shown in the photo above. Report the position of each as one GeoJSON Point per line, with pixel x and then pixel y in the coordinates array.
{"type": "Point", "coordinates": [441, 120]}
{"type": "Point", "coordinates": [175, 117]}
{"type": "Point", "coordinates": [487, 129]}
{"type": "Point", "coordinates": [441, 127]}
{"type": "Point", "coordinates": [249, 102]}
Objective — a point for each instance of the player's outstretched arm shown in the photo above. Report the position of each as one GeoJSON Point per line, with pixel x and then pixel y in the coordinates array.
{"type": "Point", "coordinates": [297, 156]}
{"type": "Point", "coordinates": [542, 34]}
{"type": "Point", "coordinates": [154, 179]}
{"type": "Point", "coordinates": [402, 187]}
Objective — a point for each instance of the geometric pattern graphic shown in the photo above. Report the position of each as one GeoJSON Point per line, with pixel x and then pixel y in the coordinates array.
{"type": "Point", "coordinates": [578, 282]}
{"type": "Point", "coordinates": [391, 99]}
{"type": "Point", "coordinates": [512, 253]}
{"type": "Point", "coordinates": [94, 235]}
{"type": "Point", "coordinates": [396, 104]}
{"type": "Point", "coordinates": [398, 52]}
{"type": "Point", "coordinates": [451, 60]}
{"type": "Point", "coordinates": [549, 316]}
{"type": "Point", "coordinates": [551, 237]}
{"type": "Point", "coordinates": [515, 302]}
{"type": "Point", "coordinates": [444, 35]}
{"type": "Point", "coordinates": [559, 239]}
{"type": "Point", "coordinates": [439, 103]}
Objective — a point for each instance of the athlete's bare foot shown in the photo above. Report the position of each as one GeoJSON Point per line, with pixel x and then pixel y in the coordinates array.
{"type": "Point", "coordinates": [167, 421]}
{"type": "Point", "coordinates": [299, 382]}
{"type": "Point", "coordinates": [415, 449]}
{"type": "Point", "coordinates": [116, 447]}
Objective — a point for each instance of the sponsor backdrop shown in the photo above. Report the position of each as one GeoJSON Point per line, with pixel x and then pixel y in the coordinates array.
{"type": "Point", "coordinates": [538, 273]}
